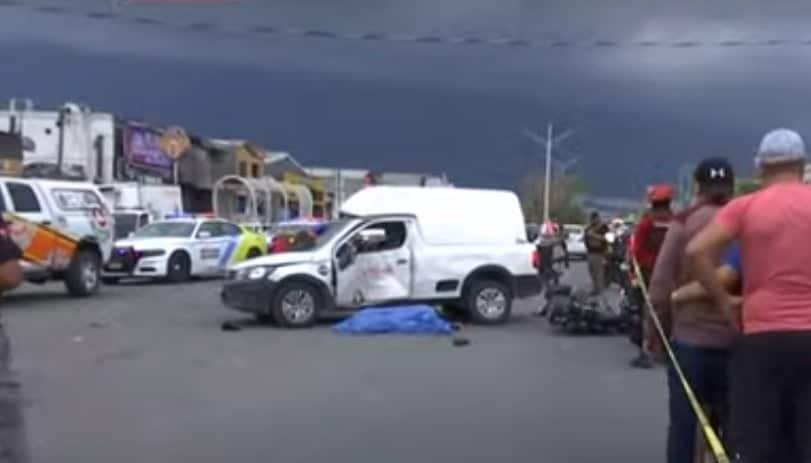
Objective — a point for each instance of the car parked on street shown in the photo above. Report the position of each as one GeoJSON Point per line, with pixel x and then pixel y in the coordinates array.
{"type": "Point", "coordinates": [64, 228]}
{"type": "Point", "coordinates": [178, 249]}
{"type": "Point", "coordinates": [575, 240]}
{"type": "Point", "coordinates": [466, 249]}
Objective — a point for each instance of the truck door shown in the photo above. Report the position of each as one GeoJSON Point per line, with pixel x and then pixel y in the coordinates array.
{"type": "Point", "coordinates": [379, 271]}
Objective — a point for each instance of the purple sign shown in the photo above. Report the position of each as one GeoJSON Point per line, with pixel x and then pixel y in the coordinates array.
{"type": "Point", "coordinates": [144, 150]}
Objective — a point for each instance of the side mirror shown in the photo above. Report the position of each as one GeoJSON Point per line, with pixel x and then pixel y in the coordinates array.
{"type": "Point", "coordinates": [204, 234]}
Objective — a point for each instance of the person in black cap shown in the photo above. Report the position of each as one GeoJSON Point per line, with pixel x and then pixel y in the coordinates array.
{"type": "Point", "coordinates": [700, 335]}
{"type": "Point", "coordinates": [13, 442]}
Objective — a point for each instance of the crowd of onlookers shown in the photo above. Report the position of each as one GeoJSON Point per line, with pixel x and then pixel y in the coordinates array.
{"type": "Point", "coordinates": [730, 282]}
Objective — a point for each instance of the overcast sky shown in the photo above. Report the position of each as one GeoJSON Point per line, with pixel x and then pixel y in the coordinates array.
{"type": "Point", "coordinates": [639, 112]}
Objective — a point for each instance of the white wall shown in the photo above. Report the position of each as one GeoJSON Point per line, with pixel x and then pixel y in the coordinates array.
{"type": "Point", "coordinates": [81, 130]}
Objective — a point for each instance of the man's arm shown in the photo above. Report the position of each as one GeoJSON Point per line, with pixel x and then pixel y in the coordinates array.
{"type": "Point", "coordinates": [593, 232]}
{"type": "Point", "coordinates": [11, 273]}
{"type": "Point", "coordinates": [700, 251]}
{"type": "Point", "coordinates": [694, 291]}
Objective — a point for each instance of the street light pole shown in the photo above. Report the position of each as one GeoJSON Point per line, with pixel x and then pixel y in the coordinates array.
{"type": "Point", "coordinates": [547, 174]}
{"type": "Point", "coordinates": [549, 142]}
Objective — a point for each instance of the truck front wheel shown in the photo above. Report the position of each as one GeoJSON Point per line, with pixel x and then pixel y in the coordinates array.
{"type": "Point", "coordinates": [489, 302]}
{"type": "Point", "coordinates": [83, 276]}
{"type": "Point", "coordinates": [295, 305]}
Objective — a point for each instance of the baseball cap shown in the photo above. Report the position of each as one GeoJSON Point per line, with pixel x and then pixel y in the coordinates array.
{"type": "Point", "coordinates": [714, 172]}
{"type": "Point", "coordinates": [780, 146]}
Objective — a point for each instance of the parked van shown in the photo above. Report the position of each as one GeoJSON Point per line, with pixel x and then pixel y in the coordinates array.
{"type": "Point", "coordinates": [461, 247]}
{"type": "Point", "coordinates": [65, 230]}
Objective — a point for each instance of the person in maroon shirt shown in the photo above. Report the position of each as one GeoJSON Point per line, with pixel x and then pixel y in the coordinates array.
{"type": "Point", "coordinates": [699, 334]}
{"type": "Point", "coordinates": [647, 240]}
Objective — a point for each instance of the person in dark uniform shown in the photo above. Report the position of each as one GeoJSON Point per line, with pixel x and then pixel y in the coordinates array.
{"type": "Point", "coordinates": [13, 441]}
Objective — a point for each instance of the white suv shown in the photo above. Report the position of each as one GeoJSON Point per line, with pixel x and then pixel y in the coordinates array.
{"type": "Point", "coordinates": [65, 230]}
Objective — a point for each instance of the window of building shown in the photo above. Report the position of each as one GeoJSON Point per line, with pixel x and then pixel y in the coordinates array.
{"type": "Point", "coordinates": [243, 169]}
{"type": "Point", "coordinates": [255, 170]}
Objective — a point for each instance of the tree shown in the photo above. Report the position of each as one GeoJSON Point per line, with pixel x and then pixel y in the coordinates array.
{"type": "Point", "coordinates": [563, 205]}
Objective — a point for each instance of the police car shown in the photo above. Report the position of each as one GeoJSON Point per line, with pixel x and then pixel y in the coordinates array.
{"type": "Point", "coordinates": [180, 248]}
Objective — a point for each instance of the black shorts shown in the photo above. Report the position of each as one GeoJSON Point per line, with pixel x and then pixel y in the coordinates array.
{"type": "Point", "coordinates": [770, 397]}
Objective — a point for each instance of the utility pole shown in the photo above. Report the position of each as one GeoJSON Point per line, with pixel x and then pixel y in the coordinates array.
{"type": "Point", "coordinates": [60, 149]}
{"type": "Point", "coordinates": [549, 141]}
{"type": "Point", "coordinates": [548, 174]}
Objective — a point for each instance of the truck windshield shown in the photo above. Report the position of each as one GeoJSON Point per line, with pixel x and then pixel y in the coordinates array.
{"type": "Point", "coordinates": [329, 230]}
{"type": "Point", "coordinates": [307, 237]}
{"type": "Point", "coordinates": [166, 230]}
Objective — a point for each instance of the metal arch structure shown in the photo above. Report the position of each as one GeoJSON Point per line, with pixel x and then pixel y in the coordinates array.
{"type": "Point", "coordinates": [304, 197]}
{"type": "Point", "coordinates": [261, 208]}
{"type": "Point", "coordinates": [275, 186]}
{"type": "Point", "coordinates": [235, 185]}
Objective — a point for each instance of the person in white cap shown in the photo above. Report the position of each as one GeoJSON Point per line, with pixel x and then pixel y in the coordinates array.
{"type": "Point", "coordinates": [770, 371]}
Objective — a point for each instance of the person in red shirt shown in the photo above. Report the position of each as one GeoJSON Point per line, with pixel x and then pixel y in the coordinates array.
{"type": "Point", "coordinates": [645, 244]}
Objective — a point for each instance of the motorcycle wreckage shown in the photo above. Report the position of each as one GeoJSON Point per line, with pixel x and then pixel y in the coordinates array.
{"type": "Point", "coordinates": [576, 311]}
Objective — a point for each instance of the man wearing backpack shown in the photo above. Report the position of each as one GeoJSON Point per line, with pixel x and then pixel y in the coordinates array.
{"type": "Point", "coordinates": [645, 244]}
{"type": "Point", "coordinates": [699, 334]}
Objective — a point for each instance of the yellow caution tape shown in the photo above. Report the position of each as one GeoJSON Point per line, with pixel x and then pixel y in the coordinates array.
{"type": "Point", "coordinates": [716, 447]}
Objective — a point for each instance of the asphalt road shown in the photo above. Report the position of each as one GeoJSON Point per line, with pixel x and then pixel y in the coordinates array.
{"type": "Point", "coordinates": [143, 373]}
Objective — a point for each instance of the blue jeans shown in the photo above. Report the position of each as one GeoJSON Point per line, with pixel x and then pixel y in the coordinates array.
{"type": "Point", "coordinates": [706, 371]}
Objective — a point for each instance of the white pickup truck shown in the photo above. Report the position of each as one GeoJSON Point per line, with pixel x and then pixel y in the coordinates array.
{"type": "Point", "coordinates": [460, 247]}
{"type": "Point", "coordinates": [64, 229]}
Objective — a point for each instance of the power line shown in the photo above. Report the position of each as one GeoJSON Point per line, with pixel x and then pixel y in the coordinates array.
{"type": "Point", "coordinates": [265, 30]}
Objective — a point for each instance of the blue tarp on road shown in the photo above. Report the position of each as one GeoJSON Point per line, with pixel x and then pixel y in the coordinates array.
{"type": "Point", "coordinates": [412, 319]}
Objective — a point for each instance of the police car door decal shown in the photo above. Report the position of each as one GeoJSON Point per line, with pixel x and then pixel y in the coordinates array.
{"type": "Point", "coordinates": [209, 253]}
{"type": "Point", "coordinates": [228, 248]}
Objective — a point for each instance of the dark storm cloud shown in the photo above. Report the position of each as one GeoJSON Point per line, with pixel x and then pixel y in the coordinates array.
{"type": "Point", "coordinates": [435, 107]}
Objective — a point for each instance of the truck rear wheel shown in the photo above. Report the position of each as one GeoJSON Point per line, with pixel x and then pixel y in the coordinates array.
{"type": "Point", "coordinates": [489, 302]}
{"type": "Point", "coordinates": [83, 276]}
